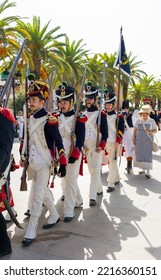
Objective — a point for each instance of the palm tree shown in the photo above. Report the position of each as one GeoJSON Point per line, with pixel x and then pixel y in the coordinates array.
{"type": "Point", "coordinates": [135, 74]}
{"type": "Point", "coordinates": [145, 88]}
{"type": "Point", "coordinates": [157, 91]}
{"type": "Point", "coordinates": [110, 70]}
{"type": "Point", "coordinates": [94, 68]}
{"type": "Point", "coordinates": [73, 57]}
{"type": "Point", "coordinates": [8, 42]}
{"type": "Point", "coordinates": [42, 45]}
{"type": "Point", "coordinates": [135, 94]}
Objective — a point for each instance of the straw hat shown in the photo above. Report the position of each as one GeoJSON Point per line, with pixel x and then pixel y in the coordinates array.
{"type": "Point", "coordinates": [145, 109]}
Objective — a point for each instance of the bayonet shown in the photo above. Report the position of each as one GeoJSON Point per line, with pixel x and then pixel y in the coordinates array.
{"type": "Point", "coordinates": [77, 111]}
{"type": "Point", "coordinates": [100, 108]}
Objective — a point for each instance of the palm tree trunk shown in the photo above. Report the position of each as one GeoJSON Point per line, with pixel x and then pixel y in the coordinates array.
{"type": "Point", "coordinates": [37, 67]}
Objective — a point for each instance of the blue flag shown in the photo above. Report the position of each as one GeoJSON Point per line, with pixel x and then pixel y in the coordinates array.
{"type": "Point", "coordinates": [122, 59]}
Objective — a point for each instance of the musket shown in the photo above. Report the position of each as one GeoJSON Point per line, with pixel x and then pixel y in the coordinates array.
{"type": "Point", "coordinates": [100, 109]}
{"type": "Point", "coordinates": [54, 171]}
{"type": "Point", "coordinates": [8, 83]}
{"type": "Point", "coordinates": [23, 185]}
{"type": "Point", "coordinates": [77, 112]}
{"type": "Point", "coordinates": [49, 102]}
{"type": "Point", "coordinates": [25, 148]}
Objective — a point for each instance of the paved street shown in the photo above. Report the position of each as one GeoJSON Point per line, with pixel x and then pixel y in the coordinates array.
{"type": "Point", "coordinates": [124, 225]}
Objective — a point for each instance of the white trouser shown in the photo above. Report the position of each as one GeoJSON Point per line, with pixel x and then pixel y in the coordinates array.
{"type": "Point", "coordinates": [94, 162]}
{"type": "Point", "coordinates": [72, 193]}
{"type": "Point", "coordinates": [63, 183]}
{"type": "Point", "coordinates": [40, 194]}
{"type": "Point", "coordinates": [113, 175]}
{"type": "Point", "coordinates": [30, 199]}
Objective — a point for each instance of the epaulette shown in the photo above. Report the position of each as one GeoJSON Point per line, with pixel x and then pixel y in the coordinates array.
{"type": "Point", "coordinates": [103, 113]}
{"type": "Point", "coordinates": [52, 120]}
{"type": "Point", "coordinates": [82, 118]}
{"type": "Point", "coordinates": [7, 114]}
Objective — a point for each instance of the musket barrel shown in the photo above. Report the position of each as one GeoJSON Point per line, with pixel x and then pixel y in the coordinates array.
{"type": "Point", "coordinates": [23, 186]}
{"type": "Point", "coordinates": [79, 102]}
{"type": "Point", "coordinates": [77, 111]}
{"type": "Point", "coordinates": [25, 148]}
{"type": "Point", "coordinates": [8, 83]}
{"type": "Point", "coordinates": [100, 109]}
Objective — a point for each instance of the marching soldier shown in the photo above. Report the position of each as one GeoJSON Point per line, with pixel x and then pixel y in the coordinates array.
{"type": "Point", "coordinates": [7, 132]}
{"type": "Point", "coordinates": [44, 137]}
{"type": "Point", "coordinates": [128, 135]}
{"type": "Point", "coordinates": [115, 131]}
{"type": "Point", "coordinates": [92, 150]}
{"type": "Point", "coordinates": [65, 95]}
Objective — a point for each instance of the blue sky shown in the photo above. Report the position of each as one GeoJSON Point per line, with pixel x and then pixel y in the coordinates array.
{"type": "Point", "coordinates": [98, 24]}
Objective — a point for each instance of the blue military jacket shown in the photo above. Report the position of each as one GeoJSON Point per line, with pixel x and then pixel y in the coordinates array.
{"type": "Point", "coordinates": [7, 132]}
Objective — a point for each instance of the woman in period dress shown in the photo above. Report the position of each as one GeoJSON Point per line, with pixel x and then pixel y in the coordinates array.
{"type": "Point", "coordinates": [144, 129]}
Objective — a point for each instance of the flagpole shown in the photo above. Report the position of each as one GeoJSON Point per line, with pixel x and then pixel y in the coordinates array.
{"type": "Point", "coordinates": [118, 94]}
{"type": "Point", "coordinates": [119, 77]}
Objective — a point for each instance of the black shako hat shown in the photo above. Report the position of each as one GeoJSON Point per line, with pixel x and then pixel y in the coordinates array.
{"type": "Point", "coordinates": [125, 104]}
{"type": "Point", "coordinates": [65, 92]}
{"type": "Point", "coordinates": [91, 91]}
{"type": "Point", "coordinates": [109, 97]}
{"type": "Point", "coordinates": [37, 88]}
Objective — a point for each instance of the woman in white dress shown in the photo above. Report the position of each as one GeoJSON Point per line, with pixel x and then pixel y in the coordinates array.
{"type": "Point", "coordinates": [144, 129]}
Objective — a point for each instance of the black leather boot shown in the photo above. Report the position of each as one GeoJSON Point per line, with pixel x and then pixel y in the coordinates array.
{"type": "Point", "coordinates": [129, 166]}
